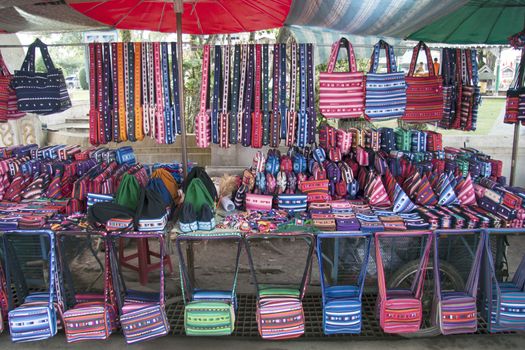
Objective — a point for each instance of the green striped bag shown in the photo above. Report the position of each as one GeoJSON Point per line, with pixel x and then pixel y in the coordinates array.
{"type": "Point", "coordinates": [208, 312]}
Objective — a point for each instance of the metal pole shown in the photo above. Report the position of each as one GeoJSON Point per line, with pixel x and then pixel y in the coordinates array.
{"type": "Point", "coordinates": [498, 61]}
{"type": "Point", "coordinates": [179, 9]}
{"type": "Point", "coordinates": [515, 144]}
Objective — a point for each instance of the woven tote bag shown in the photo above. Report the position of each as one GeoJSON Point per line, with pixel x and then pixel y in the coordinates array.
{"type": "Point", "coordinates": [342, 304]}
{"type": "Point", "coordinates": [515, 89]}
{"type": "Point", "coordinates": [8, 107]}
{"type": "Point", "coordinates": [279, 310]}
{"type": "Point", "coordinates": [424, 93]}
{"type": "Point", "coordinates": [385, 92]}
{"type": "Point", "coordinates": [40, 93]}
{"type": "Point", "coordinates": [208, 312]}
{"type": "Point", "coordinates": [400, 310]}
{"type": "Point", "coordinates": [341, 94]}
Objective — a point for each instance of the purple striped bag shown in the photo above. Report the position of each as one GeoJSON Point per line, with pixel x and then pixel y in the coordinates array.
{"type": "Point", "coordinates": [455, 311]}
{"type": "Point", "coordinates": [342, 94]}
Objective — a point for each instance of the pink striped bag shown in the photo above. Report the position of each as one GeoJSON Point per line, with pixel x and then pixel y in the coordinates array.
{"type": "Point", "coordinates": [342, 94]}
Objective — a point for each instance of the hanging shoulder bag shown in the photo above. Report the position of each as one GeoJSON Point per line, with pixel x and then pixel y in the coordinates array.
{"type": "Point", "coordinates": [8, 107]}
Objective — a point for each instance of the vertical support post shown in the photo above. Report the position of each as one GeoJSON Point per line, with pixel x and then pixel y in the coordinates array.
{"type": "Point", "coordinates": [179, 9]}
{"type": "Point", "coordinates": [515, 147]}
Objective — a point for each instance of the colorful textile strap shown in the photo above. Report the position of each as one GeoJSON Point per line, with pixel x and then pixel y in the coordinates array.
{"type": "Point", "coordinates": [100, 95]}
{"type": "Point", "coordinates": [274, 118]}
{"type": "Point", "coordinates": [121, 94]}
{"type": "Point", "coordinates": [202, 129]}
{"type": "Point", "coordinates": [292, 113]}
{"type": "Point", "coordinates": [139, 132]}
{"type": "Point", "coordinates": [166, 87]}
{"type": "Point", "coordinates": [257, 127]}
{"type": "Point", "coordinates": [266, 96]}
{"type": "Point", "coordinates": [247, 114]}
{"type": "Point", "coordinates": [235, 94]}
{"type": "Point", "coordinates": [216, 95]}
{"type": "Point", "coordinates": [224, 131]}
{"type": "Point", "coordinates": [145, 93]}
{"type": "Point", "coordinates": [303, 117]}
{"type": "Point", "coordinates": [282, 88]}
{"type": "Point", "coordinates": [116, 94]}
{"type": "Point", "coordinates": [176, 89]}
{"type": "Point", "coordinates": [107, 94]}
{"type": "Point", "coordinates": [312, 123]}
{"type": "Point", "coordinates": [93, 110]}
{"type": "Point", "coordinates": [242, 86]}
{"type": "Point", "coordinates": [159, 105]}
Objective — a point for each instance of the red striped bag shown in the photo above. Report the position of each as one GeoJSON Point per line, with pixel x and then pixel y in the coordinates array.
{"type": "Point", "coordinates": [342, 94]}
{"type": "Point", "coordinates": [8, 107]}
{"type": "Point", "coordinates": [424, 92]}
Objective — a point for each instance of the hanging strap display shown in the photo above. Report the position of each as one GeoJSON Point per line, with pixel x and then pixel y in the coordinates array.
{"type": "Point", "coordinates": [235, 94]}
{"type": "Point", "coordinates": [292, 113]}
{"type": "Point", "coordinates": [248, 98]}
{"type": "Point", "coordinates": [160, 132]}
{"type": "Point", "coordinates": [312, 117]}
{"type": "Point", "coordinates": [121, 94]}
{"type": "Point", "coordinates": [257, 117]}
{"type": "Point", "coordinates": [303, 118]}
{"type": "Point", "coordinates": [93, 110]}
{"type": "Point", "coordinates": [275, 117]}
{"type": "Point", "coordinates": [176, 90]}
{"type": "Point", "coordinates": [202, 129]}
{"type": "Point", "coordinates": [151, 91]}
{"type": "Point", "coordinates": [282, 89]}
{"type": "Point", "coordinates": [145, 94]}
{"type": "Point", "coordinates": [224, 127]}
{"type": "Point", "coordinates": [216, 95]}
{"type": "Point", "coordinates": [107, 93]}
{"type": "Point", "coordinates": [242, 87]}
{"type": "Point", "coordinates": [166, 87]}
{"type": "Point", "coordinates": [129, 64]}
{"type": "Point", "coordinates": [137, 94]}
{"type": "Point", "coordinates": [265, 96]}
{"type": "Point", "coordinates": [116, 94]}
{"type": "Point", "coordinates": [100, 95]}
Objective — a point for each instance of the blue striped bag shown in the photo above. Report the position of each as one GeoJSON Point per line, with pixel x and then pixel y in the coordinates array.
{"type": "Point", "coordinates": [385, 92]}
{"type": "Point", "coordinates": [342, 304]}
{"type": "Point", "coordinates": [208, 312]}
{"type": "Point", "coordinates": [143, 315]}
{"type": "Point", "coordinates": [36, 318]}
{"type": "Point", "coordinates": [293, 203]}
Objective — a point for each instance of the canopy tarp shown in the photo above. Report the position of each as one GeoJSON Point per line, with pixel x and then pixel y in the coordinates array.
{"type": "Point", "coordinates": [478, 22]}
{"type": "Point", "coordinates": [42, 16]}
{"type": "Point", "coordinates": [389, 18]}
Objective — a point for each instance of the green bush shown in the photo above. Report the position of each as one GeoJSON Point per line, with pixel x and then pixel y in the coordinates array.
{"type": "Point", "coordinates": [83, 79]}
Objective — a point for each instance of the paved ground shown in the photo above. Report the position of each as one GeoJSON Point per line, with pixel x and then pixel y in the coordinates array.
{"type": "Point", "coordinates": [508, 341]}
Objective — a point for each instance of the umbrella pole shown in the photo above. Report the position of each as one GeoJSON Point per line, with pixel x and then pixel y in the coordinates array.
{"type": "Point", "coordinates": [515, 145]}
{"type": "Point", "coordinates": [178, 8]}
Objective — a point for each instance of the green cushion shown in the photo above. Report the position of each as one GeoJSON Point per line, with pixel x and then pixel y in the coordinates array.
{"type": "Point", "coordinates": [209, 318]}
{"type": "Point", "coordinates": [279, 292]}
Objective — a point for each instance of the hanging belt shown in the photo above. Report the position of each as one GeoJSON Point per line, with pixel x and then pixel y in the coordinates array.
{"type": "Point", "coordinates": [176, 102]}
{"type": "Point", "coordinates": [242, 86]}
{"type": "Point", "coordinates": [216, 94]}
{"type": "Point", "coordinates": [235, 94]}
{"type": "Point", "coordinates": [302, 129]}
{"type": "Point", "coordinates": [159, 103]}
{"type": "Point", "coordinates": [203, 119]}
{"type": "Point", "coordinates": [257, 115]}
{"type": "Point", "coordinates": [116, 92]}
{"type": "Point", "coordinates": [274, 118]}
{"type": "Point", "coordinates": [121, 94]}
{"type": "Point", "coordinates": [282, 87]}
{"type": "Point", "coordinates": [100, 95]}
{"type": "Point", "coordinates": [224, 138]}
{"type": "Point", "coordinates": [247, 115]}
{"type": "Point", "coordinates": [312, 118]}
{"type": "Point", "coordinates": [266, 96]}
{"type": "Point", "coordinates": [139, 133]}
{"type": "Point", "coordinates": [145, 95]}
{"type": "Point", "coordinates": [166, 86]}
{"type": "Point", "coordinates": [292, 113]}
{"type": "Point", "coordinates": [151, 91]}
{"type": "Point", "coordinates": [107, 95]}
{"type": "Point", "coordinates": [129, 66]}
{"type": "Point", "coordinates": [93, 118]}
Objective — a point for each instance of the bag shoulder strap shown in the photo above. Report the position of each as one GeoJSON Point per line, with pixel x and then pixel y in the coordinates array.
{"type": "Point", "coordinates": [415, 54]}
{"type": "Point", "coordinates": [390, 57]}
{"type": "Point", "coordinates": [29, 61]}
{"type": "Point", "coordinates": [4, 71]}
{"type": "Point", "coordinates": [343, 42]}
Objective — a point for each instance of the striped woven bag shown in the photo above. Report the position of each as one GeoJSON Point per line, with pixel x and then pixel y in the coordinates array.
{"type": "Point", "coordinates": [424, 93]}
{"type": "Point", "coordinates": [3, 299]}
{"type": "Point", "coordinates": [208, 312]}
{"type": "Point", "coordinates": [143, 315]}
{"type": "Point", "coordinates": [503, 302]}
{"type": "Point", "coordinates": [342, 305]}
{"type": "Point", "coordinates": [8, 107]}
{"type": "Point", "coordinates": [400, 310]}
{"type": "Point", "coordinates": [280, 313]}
{"type": "Point", "coordinates": [341, 94]}
{"type": "Point", "coordinates": [37, 317]}
{"type": "Point", "coordinates": [94, 317]}
{"type": "Point", "coordinates": [385, 92]}
{"type": "Point", "coordinates": [455, 312]}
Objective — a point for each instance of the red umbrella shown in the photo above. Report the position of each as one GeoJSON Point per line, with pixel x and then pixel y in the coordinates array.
{"type": "Point", "coordinates": [199, 17]}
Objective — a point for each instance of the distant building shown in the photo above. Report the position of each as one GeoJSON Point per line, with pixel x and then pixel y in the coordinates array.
{"type": "Point", "coordinates": [507, 75]}
{"type": "Point", "coordinates": [487, 79]}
